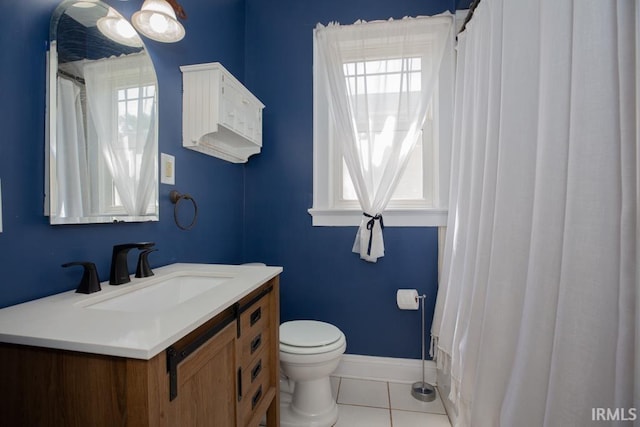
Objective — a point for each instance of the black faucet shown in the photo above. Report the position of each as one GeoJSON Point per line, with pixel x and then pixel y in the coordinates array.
{"type": "Point", "coordinates": [119, 268]}
{"type": "Point", "coordinates": [143, 269]}
{"type": "Point", "coordinates": [90, 282]}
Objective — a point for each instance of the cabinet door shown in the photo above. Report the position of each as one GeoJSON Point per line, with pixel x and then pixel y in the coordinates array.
{"type": "Point", "coordinates": [231, 106]}
{"type": "Point", "coordinates": [206, 384]}
{"type": "Point", "coordinates": [254, 125]}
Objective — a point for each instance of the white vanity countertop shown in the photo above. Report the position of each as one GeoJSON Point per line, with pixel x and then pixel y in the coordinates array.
{"type": "Point", "coordinates": [67, 321]}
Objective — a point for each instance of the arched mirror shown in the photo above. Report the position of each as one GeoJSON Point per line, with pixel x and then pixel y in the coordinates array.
{"type": "Point", "coordinates": [102, 119]}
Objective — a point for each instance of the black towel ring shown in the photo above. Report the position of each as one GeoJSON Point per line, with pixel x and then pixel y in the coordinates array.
{"type": "Point", "coordinates": [175, 199]}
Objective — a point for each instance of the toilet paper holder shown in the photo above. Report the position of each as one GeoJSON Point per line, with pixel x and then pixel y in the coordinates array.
{"type": "Point", "coordinates": [422, 390]}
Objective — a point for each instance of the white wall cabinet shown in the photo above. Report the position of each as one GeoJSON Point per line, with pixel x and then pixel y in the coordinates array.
{"type": "Point", "coordinates": [220, 117]}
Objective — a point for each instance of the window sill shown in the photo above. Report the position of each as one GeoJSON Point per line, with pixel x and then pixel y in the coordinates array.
{"type": "Point", "coordinates": [392, 217]}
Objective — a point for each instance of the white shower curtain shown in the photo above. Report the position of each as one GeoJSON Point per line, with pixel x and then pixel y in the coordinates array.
{"type": "Point", "coordinates": [70, 153]}
{"type": "Point", "coordinates": [537, 313]}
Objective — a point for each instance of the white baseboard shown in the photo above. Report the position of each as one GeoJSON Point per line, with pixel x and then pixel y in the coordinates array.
{"type": "Point", "coordinates": [385, 369]}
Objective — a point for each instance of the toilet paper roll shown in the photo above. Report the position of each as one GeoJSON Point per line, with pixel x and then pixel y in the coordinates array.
{"type": "Point", "coordinates": [407, 299]}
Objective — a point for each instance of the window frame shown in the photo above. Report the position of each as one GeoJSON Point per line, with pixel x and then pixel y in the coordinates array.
{"type": "Point", "coordinates": [325, 210]}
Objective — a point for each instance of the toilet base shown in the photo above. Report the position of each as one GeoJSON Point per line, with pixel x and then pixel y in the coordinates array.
{"type": "Point", "coordinates": [290, 417]}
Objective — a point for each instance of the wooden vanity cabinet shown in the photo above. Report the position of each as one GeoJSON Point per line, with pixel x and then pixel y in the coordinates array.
{"type": "Point", "coordinates": [225, 373]}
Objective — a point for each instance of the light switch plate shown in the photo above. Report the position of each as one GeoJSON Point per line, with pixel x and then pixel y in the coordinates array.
{"type": "Point", "coordinates": [167, 169]}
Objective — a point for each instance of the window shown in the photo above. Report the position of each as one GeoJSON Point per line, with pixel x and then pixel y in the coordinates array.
{"type": "Point", "coordinates": [420, 196]}
{"type": "Point", "coordinates": [121, 134]}
{"type": "Point", "coordinates": [415, 189]}
{"type": "Point", "coordinates": [134, 109]}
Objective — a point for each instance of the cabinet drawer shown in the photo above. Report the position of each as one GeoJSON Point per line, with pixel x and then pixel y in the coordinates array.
{"type": "Point", "coordinates": [255, 335]}
{"type": "Point", "coordinates": [254, 319]}
{"type": "Point", "coordinates": [254, 396]}
{"type": "Point", "coordinates": [251, 347]}
{"type": "Point", "coordinates": [253, 373]}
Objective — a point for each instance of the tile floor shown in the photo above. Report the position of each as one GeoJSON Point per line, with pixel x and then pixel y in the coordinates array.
{"type": "Point", "coordinates": [365, 403]}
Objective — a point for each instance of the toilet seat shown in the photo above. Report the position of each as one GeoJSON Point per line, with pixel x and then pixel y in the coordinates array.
{"type": "Point", "coordinates": [310, 337]}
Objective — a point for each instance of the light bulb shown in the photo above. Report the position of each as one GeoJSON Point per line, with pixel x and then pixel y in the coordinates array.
{"type": "Point", "coordinates": [125, 29]}
{"type": "Point", "coordinates": [158, 23]}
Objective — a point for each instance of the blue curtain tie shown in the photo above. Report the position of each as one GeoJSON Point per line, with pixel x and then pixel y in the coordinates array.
{"type": "Point", "coordinates": [370, 225]}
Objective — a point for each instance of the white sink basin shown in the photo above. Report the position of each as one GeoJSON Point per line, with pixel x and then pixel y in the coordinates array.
{"type": "Point", "coordinates": [161, 295]}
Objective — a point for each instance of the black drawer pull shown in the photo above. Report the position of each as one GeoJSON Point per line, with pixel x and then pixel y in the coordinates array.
{"type": "Point", "coordinates": [255, 316]}
{"type": "Point", "coordinates": [239, 384]}
{"type": "Point", "coordinates": [256, 398]}
{"type": "Point", "coordinates": [256, 370]}
{"type": "Point", "coordinates": [255, 343]}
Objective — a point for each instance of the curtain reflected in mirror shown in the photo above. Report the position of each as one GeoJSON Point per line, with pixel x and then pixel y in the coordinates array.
{"type": "Point", "coordinates": [102, 123]}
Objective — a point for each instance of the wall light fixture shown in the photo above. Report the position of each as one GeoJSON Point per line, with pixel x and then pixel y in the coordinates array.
{"type": "Point", "coordinates": [157, 20]}
{"type": "Point", "coordinates": [118, 29]}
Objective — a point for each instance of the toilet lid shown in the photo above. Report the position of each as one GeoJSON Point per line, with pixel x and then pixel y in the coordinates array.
{"type": "Point", "coordinates": [308, 333]}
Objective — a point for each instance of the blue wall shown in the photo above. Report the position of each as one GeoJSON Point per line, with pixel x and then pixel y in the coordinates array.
{"type": "Point", "coordinates": [256, 212]}
{"type": "Point", "coordinates": [31, 250]}
{"type": "Point", "coordinates": [322, 278]}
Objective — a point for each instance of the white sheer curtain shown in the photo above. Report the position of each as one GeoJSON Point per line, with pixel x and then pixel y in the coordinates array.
{"type": "Point", "coordinates": [537, 313]}
{"type": "Point", "coordinates": [72, 198]}
{"type": "Point", "coordinates": [378, 106]}
{"type": "Point", "coordinates": [114, 93]}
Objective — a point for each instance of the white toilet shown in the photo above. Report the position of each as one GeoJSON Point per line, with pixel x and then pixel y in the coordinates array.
{"type": "Point", "coordinates": [309, 353]}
